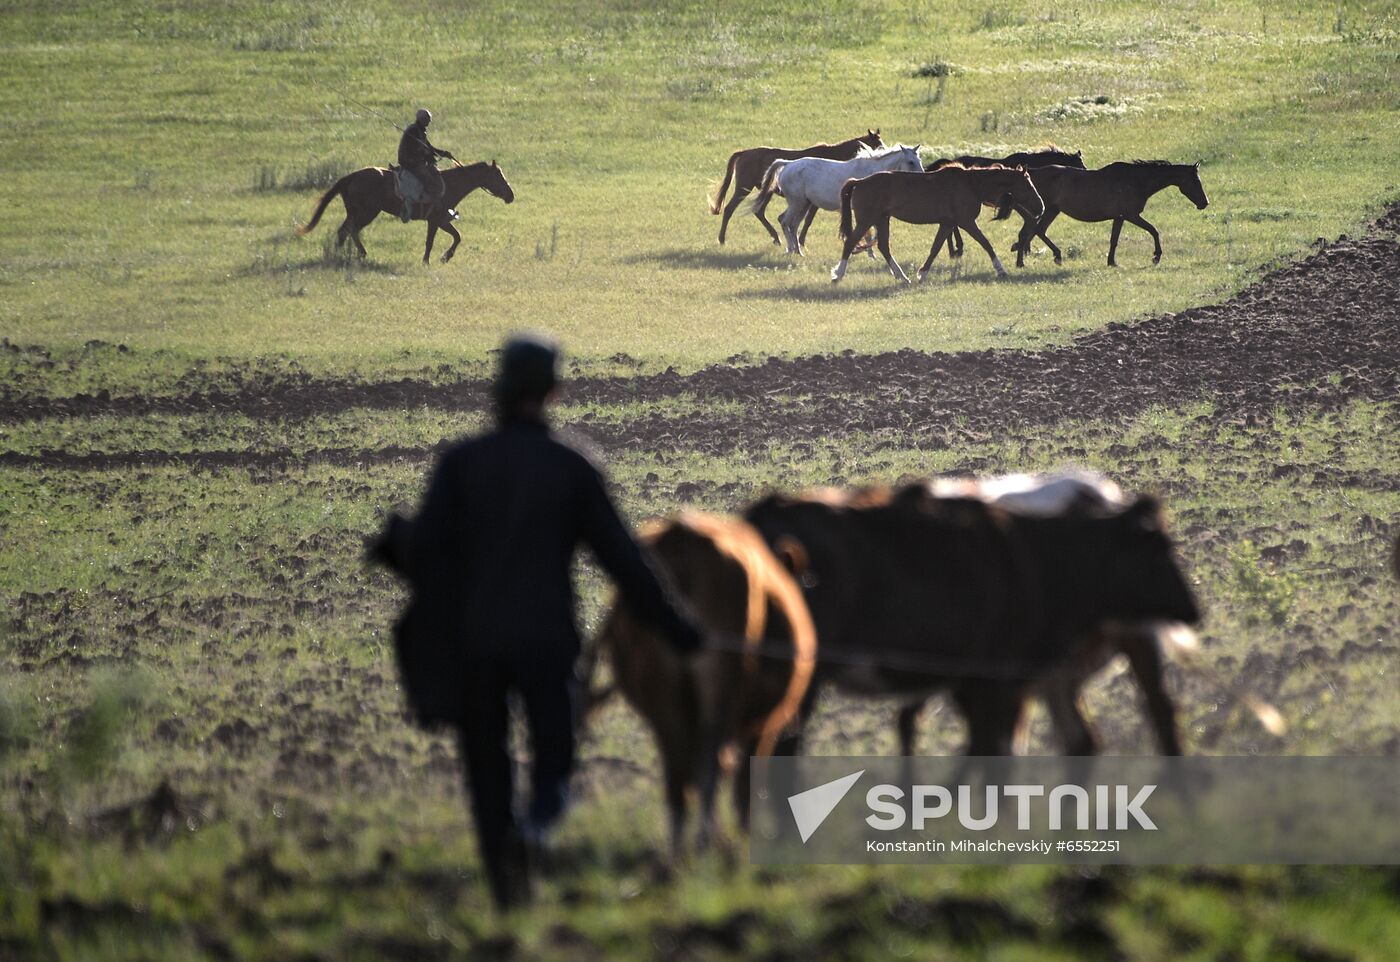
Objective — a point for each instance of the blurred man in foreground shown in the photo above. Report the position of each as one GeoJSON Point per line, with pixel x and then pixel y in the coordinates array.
{"type": "Point", "coordinates": [492, 549]}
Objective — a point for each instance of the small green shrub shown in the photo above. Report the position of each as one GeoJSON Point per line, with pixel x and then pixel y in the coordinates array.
{"type": "Point", "coordinates": [1267, 594]}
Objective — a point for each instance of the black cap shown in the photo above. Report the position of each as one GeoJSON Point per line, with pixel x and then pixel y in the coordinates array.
{"type": "Point", "coordinates": [527, 370]}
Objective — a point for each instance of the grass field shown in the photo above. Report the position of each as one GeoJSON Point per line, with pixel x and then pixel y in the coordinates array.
{"type": "Point", "coordinates": [210, 628]}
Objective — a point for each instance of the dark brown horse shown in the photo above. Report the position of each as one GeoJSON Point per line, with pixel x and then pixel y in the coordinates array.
{"type": "Point", "coordinates": [747, 167]}
{"type": "Point", "coordinates": [1045, 156]}
{"type": "Point", "coordinates": [950, 197]}
{"type": "Point", "coordinates": [1117, 192]}
{"type": "Point", "coordinates": [369, 192]}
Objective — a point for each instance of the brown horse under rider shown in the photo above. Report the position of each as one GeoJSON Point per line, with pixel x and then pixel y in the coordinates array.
{"type": "Point", "coordinates": [417, 156]}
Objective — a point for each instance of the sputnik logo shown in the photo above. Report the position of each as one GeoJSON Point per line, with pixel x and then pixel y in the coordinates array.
{"type": "Point", "coordinates": [810, 808]}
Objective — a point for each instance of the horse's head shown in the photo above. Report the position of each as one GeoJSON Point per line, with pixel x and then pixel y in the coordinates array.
{"type": "Point", "coordinates": [909, 159]}
{"type": "Point", "coordinates": [1189, 183]}
{"type": "Point", "coordinates": [1016, 190]}
{"type": "Point", "coordinates": [1025, 196]}
{"type": "Point", "coordinates": [497, 185]}
{"type": "Point", "coordinates": [872, 139]}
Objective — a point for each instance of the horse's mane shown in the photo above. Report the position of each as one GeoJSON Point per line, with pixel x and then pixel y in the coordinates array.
{"type": "Point", "coordinates": [1155, 163]}
{"type": "Point", "coordinates": [1049, 147]}
{"type": "Point", "coordinates": [956, 165]}
{"type": "Point", "coordinates": [868, 151]}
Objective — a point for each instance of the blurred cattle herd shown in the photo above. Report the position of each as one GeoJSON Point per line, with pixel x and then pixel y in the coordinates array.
{"type": "Point", "coordinates": [993, 592]}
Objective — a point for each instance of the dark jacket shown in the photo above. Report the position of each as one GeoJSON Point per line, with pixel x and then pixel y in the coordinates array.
{"type": "Point", "coordinates": [415, 149]}
{"type": "Point", "coordinates": [496, 535]}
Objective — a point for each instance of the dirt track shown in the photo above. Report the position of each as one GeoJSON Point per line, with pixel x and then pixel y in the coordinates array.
{"type": "Point", "coordinates": [1319, 332]}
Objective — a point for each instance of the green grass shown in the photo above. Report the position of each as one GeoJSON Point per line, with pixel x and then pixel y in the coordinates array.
{"type": "Point", "coordinates": [143, 222]}
{"type": "Point", "coordinates": [232, 597]}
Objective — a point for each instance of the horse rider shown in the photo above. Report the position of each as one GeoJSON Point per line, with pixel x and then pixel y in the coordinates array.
{"type": "Point", "coordinates": [502, 517]}
{"type": "Point", "coordinates": [418, 157]}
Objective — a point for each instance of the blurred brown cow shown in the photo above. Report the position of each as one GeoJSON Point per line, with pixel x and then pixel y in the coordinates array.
{"type": "Point", "coordinates": [721, 703]}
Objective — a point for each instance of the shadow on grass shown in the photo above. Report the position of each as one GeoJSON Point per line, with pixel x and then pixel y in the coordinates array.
{"type": "Point", "coordinates": [678, 258]}
{"type": "Point", "coordinates": [825, 291]}
{"type": "Point", "coordinates": [280, 256]}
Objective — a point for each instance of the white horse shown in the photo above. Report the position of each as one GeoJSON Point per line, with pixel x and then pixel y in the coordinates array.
{"type": "Point", "coordinates": [810, 183]}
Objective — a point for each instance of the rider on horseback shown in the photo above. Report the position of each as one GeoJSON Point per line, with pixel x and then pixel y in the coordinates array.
{"type": "Point", "coordinates": [418, 157]}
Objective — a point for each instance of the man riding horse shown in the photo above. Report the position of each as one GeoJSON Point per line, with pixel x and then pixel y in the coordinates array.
{"type": "Point", "coordinates": [418, 158]}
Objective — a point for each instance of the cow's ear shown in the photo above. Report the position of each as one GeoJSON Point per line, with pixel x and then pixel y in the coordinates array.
{"type": "Point", "coordinates": [793, 555]}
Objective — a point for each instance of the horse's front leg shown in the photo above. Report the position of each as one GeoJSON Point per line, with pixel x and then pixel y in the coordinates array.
{"type": "Point", "coordinates": [1140, 221]}
{"type": "Point", "coordinates": [456, 239]}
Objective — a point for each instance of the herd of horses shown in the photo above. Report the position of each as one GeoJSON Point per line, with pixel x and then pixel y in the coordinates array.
{"type": "Point", "coordinates": [870, 183]}
{"type": "Point", "coordinates": [993, 592]}
{"type": "Point", "coordinates": [863, 178]}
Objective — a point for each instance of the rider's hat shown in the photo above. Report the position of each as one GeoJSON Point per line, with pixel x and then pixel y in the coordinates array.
{"type": "Point", "coordinates": [424, 115]}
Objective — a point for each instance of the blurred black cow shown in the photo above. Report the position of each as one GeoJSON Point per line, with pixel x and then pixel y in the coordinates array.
{"type": "Point", "coordinates": [913, 593]}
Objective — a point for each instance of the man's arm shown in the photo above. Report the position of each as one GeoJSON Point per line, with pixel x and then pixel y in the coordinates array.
{"type": "Point", "coordinates": [623, 559]}
{"type": "Point", "coordinates": [436, 542]}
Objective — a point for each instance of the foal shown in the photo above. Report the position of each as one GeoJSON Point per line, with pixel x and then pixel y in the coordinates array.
{"type": "Point", "coordinates": [1117, 192]}
{"type": "Point", "coordinates": [950, 197]}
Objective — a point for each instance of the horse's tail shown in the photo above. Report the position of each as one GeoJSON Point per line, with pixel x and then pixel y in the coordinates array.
{"type": "Point", "coordinates": [769, 185]}
{"type": "Point", "coordinates": [337, 188]}
{"type": "Point", "coordinates": [847, 221]}
{"type": "Point", "coordinates": [717, 200]}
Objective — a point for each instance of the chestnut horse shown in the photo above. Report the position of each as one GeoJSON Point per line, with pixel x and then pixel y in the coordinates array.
{"type": "Point", "coordinates": [1117, 192]}
{"type": "Point", "coordinates": [950, 197]}
{"type": "Point", "coordinates": [747, 167]}
{"type": "Point", "coordinates": [369, 192]}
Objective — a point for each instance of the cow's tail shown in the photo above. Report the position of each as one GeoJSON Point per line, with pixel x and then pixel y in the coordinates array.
{"type": "Point", "coordinates": [717, 201]}
{"type": "Point", "coordinates": [336, 189]}
{"type": "Point", "coordinates": [769, 185]}
{"type": "Point", "coordinates": [847, 220]}
{"type": "Point", "coordinates": [804, 655]}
